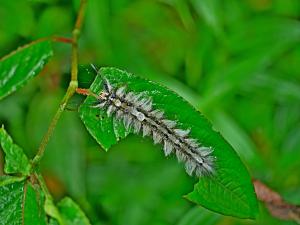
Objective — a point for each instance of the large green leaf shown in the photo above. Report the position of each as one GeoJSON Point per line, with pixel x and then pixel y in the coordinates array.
{"type": "Point", "coordinates": [229, 191]}
{"type": "Point", "coordinates": [23, 64]}
{"type": "Point", "coordinates": [21, 203]}
{"type": "Point", "coordinates": [15, 159]}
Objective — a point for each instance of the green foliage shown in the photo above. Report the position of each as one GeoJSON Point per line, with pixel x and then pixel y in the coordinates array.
{"type": "Point", "coordinates": [24, 202]}
{"type": "Point", "coordinates": [229, 192]}
{"type": "Point", "coordinates": [22, 65]}
{"type": "Point", "coordinates": [21, 203]}
{"type": "Point", "coordinates": [15, 159]}
{"type": "Point", "coordinates": [235, 61]}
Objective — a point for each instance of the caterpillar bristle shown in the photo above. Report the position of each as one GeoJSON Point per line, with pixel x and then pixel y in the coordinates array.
{"type": "Point", "coordinates": [129, 97]}
{"type": "Point", "coordinates": [119, 114]}
{"type": "Point", "coordinates": [207, 167]}
{"type": "Point", "coordinates": [121, 91]}
{"type": "Point", "coordinates": [168, 148]}
{"type": "Point", "coordinates": [137, 112]}
{"type": "Point", "coordinates": [182, 133]}
{"type": "Point", "coordinates": [190, 166]}
{"type": "Point", "coordinates": [137, 126]}
{"type": "Point", "coordinates": [127, 121]}
{"type": "Point", "coordinates": [110, 110]}
{"type": "Point", "coordinates": [157, 138]}
{"type": "Point", "coordinates": [205, 151]}
{"type": "Point", "coordinates": [107, 86]}
{"type": "Point", "coordinates": [158, 114]}
{"type": "Point", "coordinates": [146, 130]}
{"type": "Point", "coordinates": [100, 105]}
{"type": "Point", "coordinates": [136, 98]}
{"type": "Point", "coordinates": [169, 123]}
{"type": "Point", "coordinates": [192, 142]}
{"type": "Point", "coordinates": [147, 105]}
{"type": "Point", "coordinates": [180, 156]}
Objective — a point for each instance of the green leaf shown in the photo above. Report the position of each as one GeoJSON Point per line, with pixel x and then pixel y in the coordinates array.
{"type": "Point", "coordinates": [71, 212]}
{"type": "Point", "coordinates": [34, 212]}
{"type": "Point", "coordinates": [15, 159]}
{"type": "Point", "coordinates": [6, 179]}
{"type": "Point", "coordinates": [21, 203]}
{"type": "Point", "coordinates": [11, 199]}
{"type": "Point", "coordinates": [229, 191]}
{"type": "Point", "coordinates": [21, 65]}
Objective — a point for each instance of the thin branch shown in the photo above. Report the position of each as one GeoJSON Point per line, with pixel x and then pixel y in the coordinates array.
{"type": "Point", "coordinates": [62, 39]}
{"type": "Point", "coordinates": [277, 206]}
{"type": "Point", "coordinates": [87, 92]}
{"type": "Point", "coordinates": [72, 85]}
{"type": "Point", "coordinates": [75, 36]}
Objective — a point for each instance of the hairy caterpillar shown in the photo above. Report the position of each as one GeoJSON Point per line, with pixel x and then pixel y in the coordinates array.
{"type": "Point", "coordinates": [138, 113]}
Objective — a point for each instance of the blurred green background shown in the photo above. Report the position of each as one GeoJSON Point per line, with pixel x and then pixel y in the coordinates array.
{"type": "Point", "coordinates": [236, 61]}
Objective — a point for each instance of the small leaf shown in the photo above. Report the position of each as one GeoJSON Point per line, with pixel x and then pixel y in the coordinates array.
{"type": "Point", "coordinates": [52, 211]}
{"type": "Point", "coordinates": [71, 212]}
{"type": "Point", "coordinates": [21, 65]}
{"type": "Point", "coordinates": [20, 203]}
{"type": "Point", "coordinates": [6, 179]}
{"type": "Point", "coordinates": [228, 191]}
{"type": "Point", "coordinates": [15, 159]}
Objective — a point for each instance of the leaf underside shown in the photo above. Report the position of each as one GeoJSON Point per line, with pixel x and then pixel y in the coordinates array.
{"type": "Point", "coordinates": [22, 65]}
{"type": "Point", "coordinates": [229, 191]}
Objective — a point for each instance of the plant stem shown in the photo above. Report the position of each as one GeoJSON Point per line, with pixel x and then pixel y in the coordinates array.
{"type": "Point", "coordinates": [62, 39]}
{"type": "Point", "coordinates": [72, 85]}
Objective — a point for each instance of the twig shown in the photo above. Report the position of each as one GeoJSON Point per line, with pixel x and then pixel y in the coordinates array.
{"type": "Point", "coordinates": [277, 206]}
{"type": "Point", "coordinates": [72, 85]}
{"type": "Point", "coordinates": [62, 39]}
